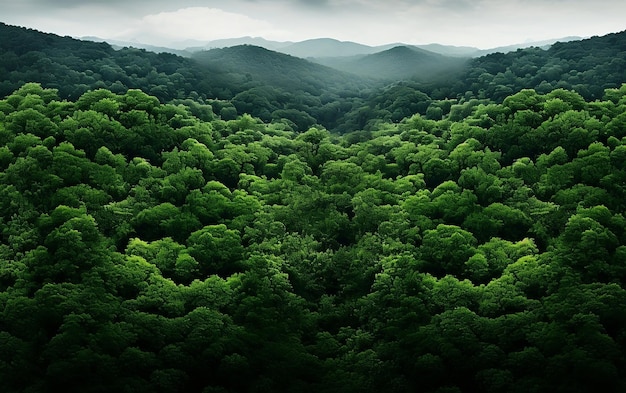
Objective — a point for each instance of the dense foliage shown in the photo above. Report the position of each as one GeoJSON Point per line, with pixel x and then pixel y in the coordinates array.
{"type": "Point", "coordinates": [150, 247]}
{"type": "Point", "coordinates": [587, 66]}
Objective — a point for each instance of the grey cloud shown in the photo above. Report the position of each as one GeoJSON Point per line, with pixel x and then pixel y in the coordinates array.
{"type": "Point", "coordinates": [355, 20]}
{"type": "Point", "coordinates": [38, 6]}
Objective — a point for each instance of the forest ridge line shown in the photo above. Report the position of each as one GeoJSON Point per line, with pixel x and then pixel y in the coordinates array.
{"type": "Point", "coordinates": [329, 47]}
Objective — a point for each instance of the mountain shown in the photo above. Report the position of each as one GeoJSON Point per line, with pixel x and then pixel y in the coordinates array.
{"type": "Point", "coordinates": [75, 66]}
{"type": "Point", "coordinates": [228, 42]}
{"type": "Point", "coordinates": [277, 69]}
{"type": "Point", "coordinates": [450, 50]}
{"type": "Point", "coordinates": [234, 81]}
{"type": "Point", "coordinates": [588, 66]}
{"type": "Point", "coordinates": [326, 47]}
{"type": "Point", "coordinates": [329, 47]}
{"type": "Point", "coordinates": [319, 48]}
{"type": "Point", "coordinates": [400, 62]}
{"type": "Point", "coordinates": [469, 51]}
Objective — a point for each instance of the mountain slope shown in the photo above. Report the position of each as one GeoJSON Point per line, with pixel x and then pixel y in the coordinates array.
{"type": "Point", "coordinates": [117, 44]}
{"type": "Point", "coordinates": [400, 62]}
{"type": "Point", "coordinates": [74, 66]}
{"type": "Point", "coordinates": [281, 87]}
{"type": "Point", "coordinates": [587, 66]}
{"type": "Point", "coordinates": [275, 86]}
{"type": "Point", "coordinates": [277, 69]}
{"type": "Point", "coordinates": [544, 44]}
{"type": "Point", "coordinates": [327, 47]}
{"type": "Point", "coordinates": [450, 50]}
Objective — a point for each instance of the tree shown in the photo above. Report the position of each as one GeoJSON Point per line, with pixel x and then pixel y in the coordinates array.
{"type": "Point", "coordinates": [217, 249]}
{"type": "Point", "coordinates": [31, 121]}
{"type": "Point", "coordinates": [342, 177]}
{"type": "Point", "coordinates": [445, 249]}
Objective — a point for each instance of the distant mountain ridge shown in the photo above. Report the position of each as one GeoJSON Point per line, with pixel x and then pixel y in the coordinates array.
{"type": "Point", "coordinates": [330, 47]}
{"type": "Point", "coordinates": [544, 44]}
{"type": "Point", "coordinates": [229, 42]}
{"type": "Point", "coordinates": [327, 47]}
{"type": "Point", "coordinates": [324, 47]}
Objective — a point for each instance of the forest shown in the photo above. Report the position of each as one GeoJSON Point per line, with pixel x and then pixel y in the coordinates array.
{"type": "Point", "coordinates": [157, 235]}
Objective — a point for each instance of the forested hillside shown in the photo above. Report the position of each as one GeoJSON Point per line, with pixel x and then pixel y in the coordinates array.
{"type": "Point", "coordinates": [182, 225]}
{"type": "Point", "coordinates": [280, 87]}
{"type": "Point", "coordinates": [587, 66]}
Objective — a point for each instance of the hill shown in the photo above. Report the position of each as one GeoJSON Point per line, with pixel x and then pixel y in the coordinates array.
{"type": "Point", "coordinates": [588, 66]}
{"type": "Point", "coordinates": [397, 63]}
{"type": "Point", "coordinates": [326, 47]}
{"type": "Point", "coordinates": [543, 44]}
{"type": "Point", "coordinates": [280, 86]}
{"type": "Point", "coordinates": [117, 44]}
{"type": "Point", "coordinates": [235, 81]}
{"type": "Point", "coordinates": [277, 69]}
{"type": "Point", "coordinates": [74, 66]}
{"type": "Point", "coordinates": [329, 47]}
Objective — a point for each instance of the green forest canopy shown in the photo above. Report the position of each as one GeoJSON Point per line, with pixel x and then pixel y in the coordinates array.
{"type": "Point", "coordinates": [146, 249]}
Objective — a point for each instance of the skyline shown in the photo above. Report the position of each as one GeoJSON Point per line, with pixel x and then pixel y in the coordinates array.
{"type": "Point", "coordinates": [448, 22]}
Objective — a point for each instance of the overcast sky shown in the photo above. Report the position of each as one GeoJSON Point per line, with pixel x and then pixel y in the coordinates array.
{"type": "Point", "coordinates": [479, 23]}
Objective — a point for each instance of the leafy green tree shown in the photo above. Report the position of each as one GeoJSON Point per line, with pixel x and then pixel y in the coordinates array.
{"type": "Point", "coordinates": [31, 121]}
{"type": "Point", "coordinates": [342, 177]}
{"type": "Point", "coordinates": [446, 249]}
{"type": "Point", "coordinates": [217, 249]}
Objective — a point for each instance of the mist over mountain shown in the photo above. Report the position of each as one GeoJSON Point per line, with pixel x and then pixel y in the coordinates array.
{"type": "Point", "coordinates": [543, 44]}
{"type": "Point", "coordinates": [400, 62]}
{"type": "Point", "coordinates": [228, 42]}
{"type": "Point", "coordinates": [273, 85]}
{"type": "Point", "coordinates": [326, 47]}
{"type": "Point", "coordinates": [330, 47]}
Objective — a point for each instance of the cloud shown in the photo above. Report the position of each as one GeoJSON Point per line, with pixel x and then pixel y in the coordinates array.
{"type": "Point", "coordinates": [197, 23]}
{"type": "Point", "coordinates": [482, 23]}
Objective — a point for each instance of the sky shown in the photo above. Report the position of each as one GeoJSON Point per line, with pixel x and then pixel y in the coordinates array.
{"type": "Point", "coordinates": [181, 23]}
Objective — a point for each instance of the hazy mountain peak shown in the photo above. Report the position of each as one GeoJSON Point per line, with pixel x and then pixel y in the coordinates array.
{"type": "Point", "coordinates": [326, 47]}
{"type": "Point", "coordinates": [247, 40]}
